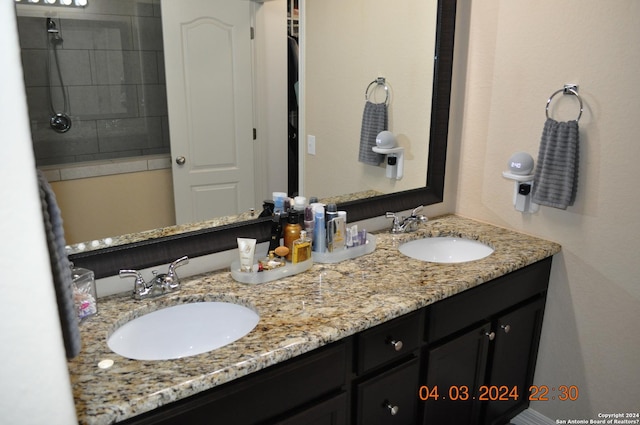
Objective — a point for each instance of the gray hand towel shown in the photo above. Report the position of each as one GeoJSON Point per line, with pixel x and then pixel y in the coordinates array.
{"type": "Point", "coordinates": [555, 181]}
{"type": "Point", "coordinates": [374, 120]}
{"type": "Point", "coordinates": [60, 268]}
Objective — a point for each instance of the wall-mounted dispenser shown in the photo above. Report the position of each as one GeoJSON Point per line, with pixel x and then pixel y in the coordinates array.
{"type": "Point", "coordinates": [386, 145]}
{"type": "Point", "coordinates": [521, 171]}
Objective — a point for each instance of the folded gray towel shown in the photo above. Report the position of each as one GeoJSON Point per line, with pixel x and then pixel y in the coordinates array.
{"type": "Point", "coordinates": [374, 120]}
{"type": "Point", "coordinates": [555, 181]}
{"type": "Point", "coordinates": [60, 268]}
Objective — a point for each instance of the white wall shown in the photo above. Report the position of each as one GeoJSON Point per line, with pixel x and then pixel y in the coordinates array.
{"type": "Point", "coordinates": [515, 55]}
{"type": "Point", "coordinates": [34, 381]}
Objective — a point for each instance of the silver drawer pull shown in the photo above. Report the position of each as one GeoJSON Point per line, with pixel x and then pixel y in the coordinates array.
{"type": "Point", "coordinates": [392, 409]}
{"type": "Point", "coordinates": [506, 328]}
{"type": "Point", "coordinates": [397, 345]}
{"type": "Point", "coordinates": [491, 335]}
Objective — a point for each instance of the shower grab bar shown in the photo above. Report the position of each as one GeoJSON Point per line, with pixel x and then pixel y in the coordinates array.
{"type": "Point", "coordinates": [567, 89]}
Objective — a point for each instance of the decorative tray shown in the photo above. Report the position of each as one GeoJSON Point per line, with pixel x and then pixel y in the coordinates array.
{"type": "Point", "coordinates": [345, 254]}
{"type": "Point", "coordinates": [256, 277]}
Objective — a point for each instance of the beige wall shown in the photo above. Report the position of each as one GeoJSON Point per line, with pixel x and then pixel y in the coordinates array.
{"type": "Point", "coordinates": [349, 44]}
{"type": "Point", "coordinates": [516, 53]}
{"type": "Point", "coordinates": [115, 205]}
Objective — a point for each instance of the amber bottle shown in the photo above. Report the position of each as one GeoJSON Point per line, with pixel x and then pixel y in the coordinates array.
{"type": "Point", "coordinates": [291, 232]}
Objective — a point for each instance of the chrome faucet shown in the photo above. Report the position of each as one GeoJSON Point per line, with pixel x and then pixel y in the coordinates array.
{"type": "Point", "coordinates": [159, 284]}
{"type": "Point", "coordinates": [407, 224]}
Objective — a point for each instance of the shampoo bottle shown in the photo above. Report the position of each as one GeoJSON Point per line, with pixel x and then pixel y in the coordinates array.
{"type": "Point", "coordinates": [332, 212]}
{"type": "Point", "coordinates": [319, 230]}
{"type": "Point", "coordinates": [309, 221]}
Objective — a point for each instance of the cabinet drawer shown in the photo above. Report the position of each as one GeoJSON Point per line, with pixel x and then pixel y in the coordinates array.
{"type": "Point", "coordinates": [270, 393]}
{"type": "Point", "coordinates": [480, 303]}
{"type": "Point", "coordinates": [390, 398]}
{"type": "Point", "coordinates": [388, 341]}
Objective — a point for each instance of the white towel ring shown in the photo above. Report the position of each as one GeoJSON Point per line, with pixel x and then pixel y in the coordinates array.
{"type": "Point", "coordinates": [568, 89]}
{"type": "Point", "coordinates": [380, 81]}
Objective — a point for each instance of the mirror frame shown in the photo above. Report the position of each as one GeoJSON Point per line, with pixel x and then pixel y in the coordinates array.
{"type": "Point", "coordinates": [139, 255]}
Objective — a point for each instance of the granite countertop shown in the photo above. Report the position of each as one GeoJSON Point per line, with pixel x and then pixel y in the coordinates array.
{"type": "Point", "coordinates": [297, 314]}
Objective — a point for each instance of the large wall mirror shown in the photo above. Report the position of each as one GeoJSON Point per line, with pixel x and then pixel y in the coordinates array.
{"type": "Point", "coordinates": [394, 196]}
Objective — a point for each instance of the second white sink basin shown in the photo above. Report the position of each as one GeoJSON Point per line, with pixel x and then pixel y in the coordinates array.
{"type": "Point", "coordinates": [183, 330]}
{"type": "Point", "coordinates": [446, 250]}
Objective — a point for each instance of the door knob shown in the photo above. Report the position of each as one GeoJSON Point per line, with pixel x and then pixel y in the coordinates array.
{"type": "Point", "coordinates": [491, 335]}
{"type": "Point", "coordinates": [180, 160]}
{"type": "Point", "coordinates": [506, 328]}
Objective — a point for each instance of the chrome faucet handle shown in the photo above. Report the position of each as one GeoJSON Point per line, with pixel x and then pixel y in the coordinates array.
{"type": "Point", "coordinates": [407, 224]}
{"type": "Point", "coordinates": [416, 210]}
{"type": "Point", "coordinates": [140, 288]}
{"type": "Point", "coordinates": [179, 262]}
{"type": "Point", "coordinates": [171, 278]}
{"type": "Point", "coordinates": [397, 224]}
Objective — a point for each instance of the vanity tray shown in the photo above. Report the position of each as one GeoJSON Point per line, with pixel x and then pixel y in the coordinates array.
{"type": "Point", "coordinates": [345, 254]}
{"type": "Point", "coordinates": [256, 277]}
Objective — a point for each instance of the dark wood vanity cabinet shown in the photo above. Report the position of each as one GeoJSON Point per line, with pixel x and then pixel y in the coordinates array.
{"type": "Point", "coordinates": [481, 350]}
{"type": "Point", "coordinates": [433, 366]}
{"type": "Point", "coordinates": [310, 389]}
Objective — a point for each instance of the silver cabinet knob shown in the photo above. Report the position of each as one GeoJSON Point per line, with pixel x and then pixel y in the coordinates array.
{"type": "Point", "coordinates": [506, 328]}
{"type": "Point", "coordinates": [491, 335]}
{"type": "Point", "coordinates": [392, 409]}
{"type": "Point", "coordinates": [397, 345]}
{"type": "Point", "coordinates": [180, 160]}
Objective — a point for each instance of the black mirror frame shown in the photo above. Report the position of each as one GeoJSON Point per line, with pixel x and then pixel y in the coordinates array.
{"type": "Point", "coordinates": [139, 255]}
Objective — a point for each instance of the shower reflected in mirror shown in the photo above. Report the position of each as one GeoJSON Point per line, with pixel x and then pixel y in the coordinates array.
{"type": "Point", "coordinates": [59, 121]}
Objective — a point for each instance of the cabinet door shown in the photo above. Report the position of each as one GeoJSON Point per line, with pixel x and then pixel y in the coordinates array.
{"type": "Point", "coordinates": [513, 361]}
{"type": "Point", "coordinates": [454, 372]}
{"type": "Point", "coordinates": [390, 398]}
{"type": "Point", "coordinates": [330, 412]}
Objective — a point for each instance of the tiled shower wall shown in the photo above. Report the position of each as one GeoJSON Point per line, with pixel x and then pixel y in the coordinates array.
{"type": "Point", "coordinates": [112, 66]}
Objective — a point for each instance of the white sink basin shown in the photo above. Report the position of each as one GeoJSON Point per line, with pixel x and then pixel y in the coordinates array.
{"type": "Point", "coordinates": [445, 250]}
{"type": "Point", "coordinates": [183, 330]}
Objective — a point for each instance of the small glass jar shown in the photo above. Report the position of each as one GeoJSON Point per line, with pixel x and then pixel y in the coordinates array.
{"type": "Point", "coordinates": [84, 292]}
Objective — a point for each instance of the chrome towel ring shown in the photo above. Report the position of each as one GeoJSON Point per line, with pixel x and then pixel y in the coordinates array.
{"type": "Point", "coordinates": [567, 89]}
{"type": "Point", "coordinates": [378, 82]}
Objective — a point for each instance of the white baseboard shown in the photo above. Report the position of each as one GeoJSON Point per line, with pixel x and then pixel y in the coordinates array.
{"type": "Point", "coordinates": [531, 417]}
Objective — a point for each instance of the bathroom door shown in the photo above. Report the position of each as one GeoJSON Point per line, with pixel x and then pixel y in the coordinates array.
{"type": "Point", "coordinates": [207, 48]}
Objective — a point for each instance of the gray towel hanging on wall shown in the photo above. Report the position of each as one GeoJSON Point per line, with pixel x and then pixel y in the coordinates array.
{"type": "Point", "coordinates": [60, 268]}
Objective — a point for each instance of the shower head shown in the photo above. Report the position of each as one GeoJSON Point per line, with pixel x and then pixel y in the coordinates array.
{"type": "Point", "coordinates": [53, 31]}
{"type": "Point", "coordinates": [51, 26]}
